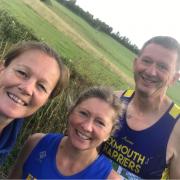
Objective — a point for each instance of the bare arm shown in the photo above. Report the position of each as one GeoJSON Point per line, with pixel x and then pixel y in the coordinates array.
{"type": "Point", "coordinates": [174, 162]}
{"type": "Point", "coordinates": [29, 145]}
{"type": "Point", "coordinates": [114, 175]}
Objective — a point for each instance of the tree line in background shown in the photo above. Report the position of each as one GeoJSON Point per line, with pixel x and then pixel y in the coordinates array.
{"type": "Point", "coordinates": [98, 24]}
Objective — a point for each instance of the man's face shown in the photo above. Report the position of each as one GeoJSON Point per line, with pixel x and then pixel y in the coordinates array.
{"type": "Point", "coordinates": [155, 70]}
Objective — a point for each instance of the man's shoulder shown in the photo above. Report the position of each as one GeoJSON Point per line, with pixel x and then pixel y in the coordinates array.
{"type": "Point", "coordinates": [119, 93]}
{"type": "Point", "coordinates": [126, 93]}
{"type": "Point", "coordinates": [175, 111]}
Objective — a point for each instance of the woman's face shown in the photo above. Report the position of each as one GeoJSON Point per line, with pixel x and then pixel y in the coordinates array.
{"type": "Point", "coordinates": [90, 123]}
{"type": "Point", "coordinates": [26, 83]}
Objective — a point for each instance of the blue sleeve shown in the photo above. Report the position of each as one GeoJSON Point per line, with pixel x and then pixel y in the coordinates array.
{"type": "Point", "coordinates": [8, 138]}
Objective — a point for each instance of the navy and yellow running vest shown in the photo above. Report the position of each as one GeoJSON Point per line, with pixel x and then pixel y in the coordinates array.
{"type": "Point", "coordinates": [142, 154]}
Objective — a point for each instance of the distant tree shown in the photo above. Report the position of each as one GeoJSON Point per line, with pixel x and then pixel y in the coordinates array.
{"type": "Point", "coordinates": [48, 2]}
{"type": "Point", "coordinates": [72, 1]}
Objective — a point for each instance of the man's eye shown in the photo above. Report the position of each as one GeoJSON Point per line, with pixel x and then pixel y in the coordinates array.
{"type": "Point", "coordinates": [146, 61]}
{"type": "Point", "coordinates": [162, 67]}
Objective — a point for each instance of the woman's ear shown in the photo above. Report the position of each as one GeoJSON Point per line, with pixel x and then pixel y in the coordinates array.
{"type": "Point", "coordinates": [105, 139]}
{"type": "Point", "coordinates": [1, 66]}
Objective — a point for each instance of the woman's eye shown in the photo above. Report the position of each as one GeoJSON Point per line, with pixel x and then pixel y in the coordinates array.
{"type": "Point", "coordinates": [42, 87]}
{"type": "Point", "coordinates": [22, 73]}
{"type": "Point", "coordinates": [100, 123]}
{"type": "Point", "coordinates": [83, 113]}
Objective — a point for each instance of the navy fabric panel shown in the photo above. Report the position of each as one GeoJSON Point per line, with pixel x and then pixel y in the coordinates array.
{"type": "Point", "coordinates": [141, 152]}
{"type": "Point", "coordinates": [8, 138]}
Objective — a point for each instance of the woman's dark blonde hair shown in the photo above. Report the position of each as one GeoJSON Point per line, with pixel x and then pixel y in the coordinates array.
{"type": "Point", "coordinates": [106, 94]}
{"type": "Point", "coordinates": [25, 46]}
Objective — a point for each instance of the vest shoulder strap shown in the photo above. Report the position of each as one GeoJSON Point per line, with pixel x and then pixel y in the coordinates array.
{"type": "Point", "coordinates": [175, 111]}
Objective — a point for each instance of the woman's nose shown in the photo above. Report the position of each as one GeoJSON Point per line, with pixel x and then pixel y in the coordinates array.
{"type": "Point", "coordinates": [27, 87]}
{"type": "Point", "coordinates": [88, 126]}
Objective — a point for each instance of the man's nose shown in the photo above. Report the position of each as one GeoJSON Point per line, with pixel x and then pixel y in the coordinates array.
{"type": "Point", "coordinates": [27, 87]}
{"type": "Point", "coordinates": [152, 70]}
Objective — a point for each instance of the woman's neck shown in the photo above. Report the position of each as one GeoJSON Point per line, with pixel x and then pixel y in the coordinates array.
{"type": "Point", "coordinates": [71, 160]}
{"type": "Point", "coordinates": [74, 152]}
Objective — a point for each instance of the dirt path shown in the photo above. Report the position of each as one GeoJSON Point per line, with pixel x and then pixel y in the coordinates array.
{"type": "Point", "coordinates": [64, 27]}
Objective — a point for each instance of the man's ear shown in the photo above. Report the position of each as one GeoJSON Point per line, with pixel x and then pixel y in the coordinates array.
{"type": "Point", "coordinates": [134, 62]}
{"type": "Point", "coordinates": [175, 78]}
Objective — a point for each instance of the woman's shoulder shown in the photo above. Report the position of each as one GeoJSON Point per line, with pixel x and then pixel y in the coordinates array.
{"type": "Point", "coordinates": [36, 138]}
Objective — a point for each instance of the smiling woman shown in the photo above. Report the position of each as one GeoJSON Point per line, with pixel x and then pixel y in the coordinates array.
{"type": "Point", "coordinates": [91, 120]}
{"type": "Point", "coordinates": [24, 87]}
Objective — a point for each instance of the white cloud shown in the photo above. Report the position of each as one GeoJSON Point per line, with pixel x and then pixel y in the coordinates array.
{"type": "Point", "coordinates": [139, 20]}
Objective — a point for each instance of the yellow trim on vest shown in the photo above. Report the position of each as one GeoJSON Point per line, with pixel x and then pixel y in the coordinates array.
{"type": "Point", "coordinates": [30, 177]}
{"type": "Point", "coordinates": [129, 93]}
{"type": "Point", "coordinates": [165, 174]}
{"type": "Point", "coordinates": [175, 111]}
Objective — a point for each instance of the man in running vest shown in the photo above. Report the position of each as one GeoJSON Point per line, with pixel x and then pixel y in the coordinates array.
{"type": "Point", "coordinates": [148, 143]}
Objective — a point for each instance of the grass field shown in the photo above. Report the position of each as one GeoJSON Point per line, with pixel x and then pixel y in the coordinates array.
{"type": "Point", "coordinates": [93, 54]}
